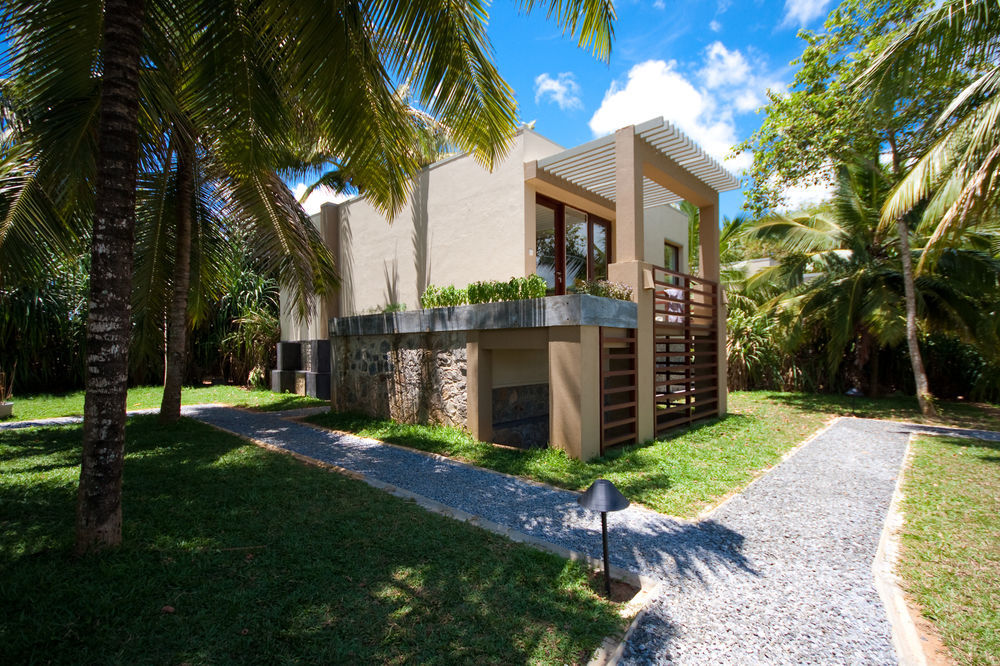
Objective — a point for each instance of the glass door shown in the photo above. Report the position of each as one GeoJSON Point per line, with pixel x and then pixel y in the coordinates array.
{"type": "Point", "coordinates": [570, 245]}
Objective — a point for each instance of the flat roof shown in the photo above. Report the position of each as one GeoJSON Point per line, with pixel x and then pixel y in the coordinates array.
{"type": "Point", "coordinates": [592, 165]}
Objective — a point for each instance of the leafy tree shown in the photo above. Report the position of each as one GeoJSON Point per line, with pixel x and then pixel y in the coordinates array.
{"type": "Point", "coordinates": [855, 301]}
{"type": "Point", "coordinates": [333, 65]}
{"type": "Point", "coordinates": [820, 121]}
{"type": "Point", "coordinates": [826, 119]}
{"type": "Point", "coordinates": [956, 175]}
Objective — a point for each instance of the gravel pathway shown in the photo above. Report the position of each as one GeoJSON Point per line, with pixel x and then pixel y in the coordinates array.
{"type": "Point", "coordinates": [780, 574]}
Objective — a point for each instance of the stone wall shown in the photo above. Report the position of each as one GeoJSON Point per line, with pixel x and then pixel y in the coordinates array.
{"type": "Point", "coordinates": [409, 377]}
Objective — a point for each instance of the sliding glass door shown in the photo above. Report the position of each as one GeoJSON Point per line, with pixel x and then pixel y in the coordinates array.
{"type": "Point", "coordinates": [570, 245]}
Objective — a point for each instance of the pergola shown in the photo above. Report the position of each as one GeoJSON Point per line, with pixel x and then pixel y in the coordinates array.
{"type": "Point", "coordinates": [619, 175]}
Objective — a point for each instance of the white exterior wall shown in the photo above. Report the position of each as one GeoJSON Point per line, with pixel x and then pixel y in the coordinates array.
{"type": "Point", "coordinates": [665, 223]}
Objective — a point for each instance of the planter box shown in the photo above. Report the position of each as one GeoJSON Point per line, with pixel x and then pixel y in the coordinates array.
{"type": "Point", "coordinates": [6, 409]}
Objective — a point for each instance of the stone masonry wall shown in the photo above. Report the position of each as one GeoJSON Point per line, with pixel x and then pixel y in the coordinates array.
{"type": "Point", "coordinates": [409, 377]}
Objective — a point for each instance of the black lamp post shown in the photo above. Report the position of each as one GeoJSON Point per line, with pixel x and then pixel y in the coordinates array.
{"type": "Point", "coordinates": [603, 496]}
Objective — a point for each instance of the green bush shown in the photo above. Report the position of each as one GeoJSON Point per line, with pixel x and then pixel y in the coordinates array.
{"type": "Point", "coordinates": [490, 291]}
{"type": "Point", "coordinates": [604, 288]}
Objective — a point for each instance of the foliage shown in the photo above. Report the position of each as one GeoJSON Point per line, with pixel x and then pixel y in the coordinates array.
{"type": "Point", "coordinates": [604, 288]}
{"type": "Point", "coordinates": [491, 291]}
{"type": "Point", "coordinates": [821, 122]}
{"type": "Point", "coordinates": [957, 175]}
{"type": "Point", "coordinates": [853, 304]}
{"type": "Point", "coordinates": [949, 560]}
{"type": "Point", "coordinates": [443, 297]}
{"type": "Point", "coordinates": [42, 326]}
{"type": "Point", "coordinates": [236, 554]}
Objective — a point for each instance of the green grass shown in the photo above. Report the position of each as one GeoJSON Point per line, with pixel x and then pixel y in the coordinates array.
{"type": "Point", "coordinates": [264, 559]}
{"type": "Point", "coordinates": [45, 405]}
{"type": "Point", "coordinates": [682, 474]}
{"type": "Point", "coordinates": [951, 551]}
{"type": "Point", "coordinates": [959, 414]}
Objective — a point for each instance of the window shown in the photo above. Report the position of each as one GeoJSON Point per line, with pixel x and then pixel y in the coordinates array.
{"type": "Point", "coordinates": [570, 245]}
{"type": "Point", "coordinates": [671, 256]}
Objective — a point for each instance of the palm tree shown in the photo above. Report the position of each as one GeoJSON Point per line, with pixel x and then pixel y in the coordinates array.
{"type": "Point", "coordinates": [857, 295]}
{"type": "Point", "coordinates": [957, 174]}
{"type": "Point", "coordinates": [956, 177]}
{"type": "Point", "coordinates": [331, 68]}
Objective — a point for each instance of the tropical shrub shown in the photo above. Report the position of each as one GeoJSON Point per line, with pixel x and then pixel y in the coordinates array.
{"type": "Point", "coordinates": [42, 325]}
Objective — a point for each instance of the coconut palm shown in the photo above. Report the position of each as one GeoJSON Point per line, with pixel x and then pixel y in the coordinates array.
{"type": "Point", "coordinates": [856, 297]}
{"type": "Point", "coordinates": [329, 67]}
{"type": "Point", "coordinates": [957, 176]}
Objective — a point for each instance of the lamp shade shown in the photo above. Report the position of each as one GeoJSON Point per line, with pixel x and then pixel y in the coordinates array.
{"type": "Point", "coordinates": [603, 496]}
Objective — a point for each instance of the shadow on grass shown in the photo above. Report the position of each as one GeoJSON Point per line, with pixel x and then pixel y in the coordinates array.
{"type": "Point", "coordinates": [952, 412]}
{"type": "Point", "coordinates": [263, 559]}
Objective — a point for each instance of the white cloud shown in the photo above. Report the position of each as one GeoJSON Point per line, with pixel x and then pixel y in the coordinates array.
{"type": "Point", "coordinates": [714, 26]}
{"type": "Point", "coordinates": [319, 196]}
{"type": "Point", "coordinates": [660, 4]}
{"type": "Point", "coordinates": [800, 12]}
{"type": "Point", "coordinates": [724, 67]}
{"type": "Point", "coordinates": [563, 90]}
{"type": "Point", "coordinates": [655, 88]}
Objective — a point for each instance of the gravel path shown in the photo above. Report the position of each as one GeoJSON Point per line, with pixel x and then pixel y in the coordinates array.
{"type": "Point", "coordinates": [780, 574]}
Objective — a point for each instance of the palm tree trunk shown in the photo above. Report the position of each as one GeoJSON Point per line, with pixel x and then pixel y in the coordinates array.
{"type": "Point", "coordinates": [99, 512]}
{"type": "Point", "coordinates": [170, 406]}
{"type": "Point", "coordinates": [924, 397]}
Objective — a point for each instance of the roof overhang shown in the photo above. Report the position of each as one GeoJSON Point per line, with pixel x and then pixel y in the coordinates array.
{"type": "Point", "coordinates": [591, 166]}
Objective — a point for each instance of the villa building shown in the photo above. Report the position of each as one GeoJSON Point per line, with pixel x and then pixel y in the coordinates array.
{"type": "Point", "coordinates": [574, 371]}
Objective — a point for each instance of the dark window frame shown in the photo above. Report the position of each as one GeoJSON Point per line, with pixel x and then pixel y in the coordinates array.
{"type": "Point", "coordinates": [559, 210]}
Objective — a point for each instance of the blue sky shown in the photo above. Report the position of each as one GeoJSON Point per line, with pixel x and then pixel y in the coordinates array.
{"type": "Point", "coordinates": [703, 64]}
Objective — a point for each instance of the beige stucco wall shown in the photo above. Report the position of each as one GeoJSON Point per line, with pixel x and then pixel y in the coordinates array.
{"type": "Point", "coordinates": [315, 326]}
{"type": "Point", "coordinates": [665, 223]}
{"type": "Point", "coordinates": [462, 223]}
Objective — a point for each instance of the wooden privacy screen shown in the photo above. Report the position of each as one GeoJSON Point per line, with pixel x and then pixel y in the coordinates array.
{"type": "Point", "coordinates": [619, 387]}
{"type": "Point", "coordinates": [685, 348]}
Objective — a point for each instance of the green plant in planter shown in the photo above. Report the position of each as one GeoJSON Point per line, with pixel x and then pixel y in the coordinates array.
{"type": "Point", "coordinates": [487, 291]}
{"type": "Point", "coordinates": [617, 290]}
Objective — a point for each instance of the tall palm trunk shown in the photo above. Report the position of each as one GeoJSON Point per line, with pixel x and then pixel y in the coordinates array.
{"type": "Point", "coordinates": [170, 406]}
{"type": "Point", "coordinates": [924, 397]}
{"type": "Point", "coordinates": [99, 512]}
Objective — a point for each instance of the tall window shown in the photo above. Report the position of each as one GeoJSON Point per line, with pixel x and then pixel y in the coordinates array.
{"type": "Point", "coordinates": [671, 256]}
{"type": "Point", "coordinates": [570, 245]}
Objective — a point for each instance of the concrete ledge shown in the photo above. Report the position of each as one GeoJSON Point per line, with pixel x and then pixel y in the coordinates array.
{"type": "Point", "coordinates": [570, 310]}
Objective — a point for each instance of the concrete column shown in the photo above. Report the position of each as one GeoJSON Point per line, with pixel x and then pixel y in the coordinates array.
{"type": "Point", "coordinates": [575, 390]}
{"type": "Point", "coordinates": [479, 389]}
{"type": "Point", "coordinates": [708, 268]}
{"type": "Point", "coordinates": [628, 226]}
{"type": "Point", "coordinates": [631, 273]}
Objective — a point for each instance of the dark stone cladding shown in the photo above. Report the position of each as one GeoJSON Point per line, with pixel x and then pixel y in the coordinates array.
{"type": "Point", "coordinates": [569, 310]}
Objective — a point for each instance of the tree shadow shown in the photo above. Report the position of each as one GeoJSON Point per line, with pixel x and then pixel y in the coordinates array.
{"type": "Point", "coordinates": [261, 559]}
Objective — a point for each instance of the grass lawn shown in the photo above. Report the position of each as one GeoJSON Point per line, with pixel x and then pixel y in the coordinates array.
{"type": "Point", "coordinates": [234, 554]}
{"type": "Point", "coordinates": [951, 549]}
{"type": "Point", "coordinates": [683, 473]}
{"type": "Point", "coordinates": [44, 405]}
